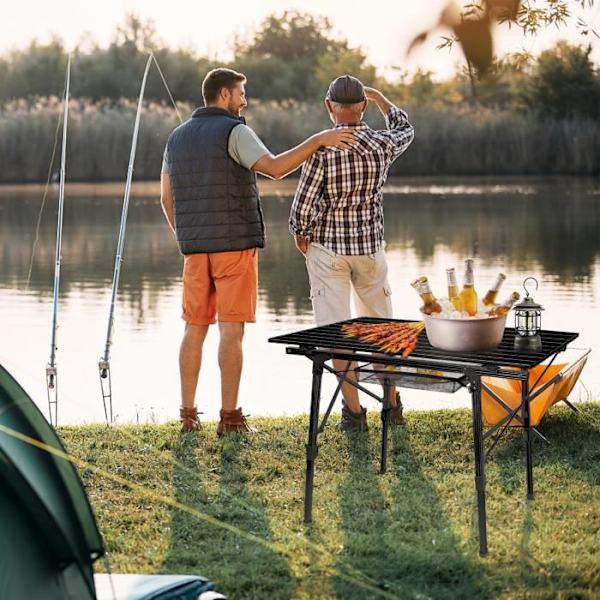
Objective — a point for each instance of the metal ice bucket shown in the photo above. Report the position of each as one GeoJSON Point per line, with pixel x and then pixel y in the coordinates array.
{"type": "Point", "coordinates": [464, 335]}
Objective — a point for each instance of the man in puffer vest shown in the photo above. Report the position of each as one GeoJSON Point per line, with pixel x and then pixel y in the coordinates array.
{"type": "Point", "coordinates": [210, 199]}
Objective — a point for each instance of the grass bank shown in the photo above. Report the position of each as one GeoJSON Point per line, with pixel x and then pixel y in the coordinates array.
{"type": "Point", "coordinates": [448, 141]}
{"type": "Point", "coordinates": [232, 510]}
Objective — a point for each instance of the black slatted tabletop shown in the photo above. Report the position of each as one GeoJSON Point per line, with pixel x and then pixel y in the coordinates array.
{"type": "Point", "coordinates": [331, 336]}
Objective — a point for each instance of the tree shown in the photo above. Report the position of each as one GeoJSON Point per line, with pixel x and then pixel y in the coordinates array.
{"type": "Point", "coordinates": [116, 71]}
{"type": "Point", "coordinates": [38, 70]}
{"type": "Point", "coordinates": [4, 74]}
{"type": "Point", "coordinates": [291, 36]}
{"type": "Point", "coordinates": [564, 83]}
{"type": "Point", "coordinates": [137, 34]}
{"type": "Point", "coordinates": [349, 60]}
{"type": "Point", "coordinates": [293, 56]}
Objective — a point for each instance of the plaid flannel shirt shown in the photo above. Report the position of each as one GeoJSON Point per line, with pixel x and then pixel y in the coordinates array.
{"type": "Point", "coordinates": [339, 199]}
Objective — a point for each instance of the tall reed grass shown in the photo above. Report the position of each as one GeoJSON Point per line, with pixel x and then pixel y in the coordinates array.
{"type": "Point", "coordinates": [448, 141]}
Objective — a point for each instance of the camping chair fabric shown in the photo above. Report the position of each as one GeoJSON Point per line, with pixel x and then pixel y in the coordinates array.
{"type": "Point", "coordinates": [500, 396]}
{"type": "Point", "coordinates": [569, 379]}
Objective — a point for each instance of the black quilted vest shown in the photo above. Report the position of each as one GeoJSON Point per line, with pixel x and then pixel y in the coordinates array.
{"type": "Point", "coordinates": [217, 206]}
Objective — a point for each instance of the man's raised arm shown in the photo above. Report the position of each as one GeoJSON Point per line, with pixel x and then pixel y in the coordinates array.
{"type": "Point", "coordinates": [401, 131]}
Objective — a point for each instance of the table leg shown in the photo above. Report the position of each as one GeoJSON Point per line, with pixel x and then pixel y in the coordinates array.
{"type": "Point", "coordinates": [385, 421]}
{"type": "Point", "coordinates": [312, 448]}
{"type": "Point", "coordinates": [527, 436]}
{"type": "Point", "coordinates": [479, 453]}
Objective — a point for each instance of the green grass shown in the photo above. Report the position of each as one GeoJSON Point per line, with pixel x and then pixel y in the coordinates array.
{"type": "Point", "coordinates": [410, 533]}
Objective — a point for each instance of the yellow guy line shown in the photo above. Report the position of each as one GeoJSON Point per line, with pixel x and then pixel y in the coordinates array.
{"type": "Point", "coordinates": [240, 502]}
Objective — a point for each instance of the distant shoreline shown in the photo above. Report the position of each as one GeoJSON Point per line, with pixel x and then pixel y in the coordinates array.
{"type": "Point", "coordinates": [288, 186]}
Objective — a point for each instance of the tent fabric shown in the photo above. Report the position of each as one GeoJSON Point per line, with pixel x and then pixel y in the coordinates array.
{"type": "Point", "coordinates": [46, 492]}
{"type": "Point", "coordinates": [561, 378]}
{"type": "Point", "coordinates": [50, 538]}
{"type": "Point", "coordinates": [27, 565]}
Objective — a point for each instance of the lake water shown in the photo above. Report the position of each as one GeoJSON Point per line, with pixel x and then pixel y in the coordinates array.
{"type": "Point", "coordinates": [547, 228]}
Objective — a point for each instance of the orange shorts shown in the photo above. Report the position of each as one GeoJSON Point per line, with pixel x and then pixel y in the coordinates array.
{"type": "Point", "coordinates": [220, 283]}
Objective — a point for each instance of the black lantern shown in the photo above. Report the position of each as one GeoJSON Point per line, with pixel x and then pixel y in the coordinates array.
{"type": "Point", "coordinates": [528, 321]}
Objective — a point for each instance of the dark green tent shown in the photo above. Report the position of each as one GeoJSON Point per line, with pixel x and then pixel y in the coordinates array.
{"type": "Point", "coordinates": [49, 538]}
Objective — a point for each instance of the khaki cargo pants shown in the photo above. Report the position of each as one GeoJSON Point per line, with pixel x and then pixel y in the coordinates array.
{"type": "Point", "coordinates": [334, 278]}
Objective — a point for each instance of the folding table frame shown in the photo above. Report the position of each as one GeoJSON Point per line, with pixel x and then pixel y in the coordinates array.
{"type": "Point", "coordinates": [465, 369]}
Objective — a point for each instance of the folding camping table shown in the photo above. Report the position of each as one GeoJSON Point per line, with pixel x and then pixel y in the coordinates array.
{"type": "Point", "coordinates": [430, 368]}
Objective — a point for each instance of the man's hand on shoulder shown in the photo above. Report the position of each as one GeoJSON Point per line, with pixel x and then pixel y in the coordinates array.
{"type": "Point", "coordinates": [286, 162]}
{"type": "Point", "coordinates": [338, 138]}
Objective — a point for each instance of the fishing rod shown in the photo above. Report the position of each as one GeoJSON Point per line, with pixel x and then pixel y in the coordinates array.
{"type": "Point", "coordinates": [167, 88]}
{"type": "Point", "coordinates": [104, 362]}
{"type": "Point", "coordinates": [51, 371]}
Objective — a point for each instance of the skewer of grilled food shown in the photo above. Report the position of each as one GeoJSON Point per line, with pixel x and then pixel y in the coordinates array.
{"type": "Point", "coordinates": [392, 338]}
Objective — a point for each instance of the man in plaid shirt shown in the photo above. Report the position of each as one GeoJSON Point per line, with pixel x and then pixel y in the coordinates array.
{"type": "Point", "coordinates": [337, 220]}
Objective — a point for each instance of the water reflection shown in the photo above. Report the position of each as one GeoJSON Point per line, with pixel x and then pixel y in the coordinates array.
{"type": "Point", "coordinates": [554, 226]}
{"type": "Point", "coordinates": [542, 227]}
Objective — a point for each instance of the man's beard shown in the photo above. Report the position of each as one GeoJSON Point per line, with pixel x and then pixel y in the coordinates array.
{"type": "Point", "coordinates": [233, 109]}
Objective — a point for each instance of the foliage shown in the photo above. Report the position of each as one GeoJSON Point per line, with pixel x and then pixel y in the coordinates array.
{"type": "Point", "coordinates": [452, 139]}
{"type": "Point", "coordinates": [98, 142]}
{"type": "Point", "coordinates": [472, 26]}
{"type": "Point", "coordinates": [37, 69]}
{"type": "Point", "coordinates": [348, 60]}
{"type": "Point", "coordinates": [290, 37]}
{"type": "Point", "coordinates": [410, 533]}
{"type": "Point", "coordinates": [290, 61]}
{"type": "Point", "coordinates": [114, 72]}
{"type": "Point", "coordinates": [564, 83]}
{"type": "Point", "coordinates": [292, 56]}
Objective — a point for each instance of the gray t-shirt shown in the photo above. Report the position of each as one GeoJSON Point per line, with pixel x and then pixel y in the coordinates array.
{"type": "Point", "coordinates": [245, 147]}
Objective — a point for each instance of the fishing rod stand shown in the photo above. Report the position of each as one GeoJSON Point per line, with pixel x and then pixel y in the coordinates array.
{"type": "Point", "coordinates": [106, 388]}
{"type": "Point", "coordinates": [52, 389]}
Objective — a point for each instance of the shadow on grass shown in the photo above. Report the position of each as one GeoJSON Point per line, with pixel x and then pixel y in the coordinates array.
{"type": "Point", "coordinates": [240, 568]}
{"type": "Point", "coordinates": [573, 437]}
{"type": "Point", "coordinates": [574, 443]}
{"type": "Point", "coordinates": [563, 469]}
{"type": "Point", "coordinates": [406, 545]}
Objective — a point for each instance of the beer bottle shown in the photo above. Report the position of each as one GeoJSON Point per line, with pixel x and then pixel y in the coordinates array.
{"type": "Point", "coordinates": [490, 297]}
{"type": "Point", "coordinates": [430, 304]}
{"type": "Point", "coordinates": [503, 308]}
{"type": "Point", "coordinates": [468, 295]}
{"type": "Point", "coordinates": [453, 289]}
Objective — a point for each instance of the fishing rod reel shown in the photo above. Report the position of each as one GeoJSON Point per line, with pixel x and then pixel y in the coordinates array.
{"type": "Point", "coordinates": [52, 390]}
{"type": "Point", "coordinates": [106, 388]}
{"type": "Point", "coordinates": [51, 376]}
{"type": "Point", "coordinates": [104, 367]}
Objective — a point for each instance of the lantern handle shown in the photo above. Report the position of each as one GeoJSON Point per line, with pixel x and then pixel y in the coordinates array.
{"type": "Point", "coordinates": [525, 285]}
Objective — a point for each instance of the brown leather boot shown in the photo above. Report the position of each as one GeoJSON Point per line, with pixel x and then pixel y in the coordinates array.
{"type": "Point", "coordinates": [352, 421]}
{"type": "Point", "coordinates": [233, 421]}
{"type": "Point", "coordinates": [189, 419]}
{"type": "Point", "coordinates": [396, 415]}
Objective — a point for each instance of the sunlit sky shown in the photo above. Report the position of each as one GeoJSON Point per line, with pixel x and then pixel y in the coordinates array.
{"type": "Point", "coordinates": [383, 28]}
